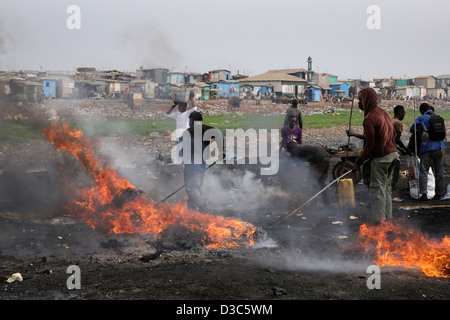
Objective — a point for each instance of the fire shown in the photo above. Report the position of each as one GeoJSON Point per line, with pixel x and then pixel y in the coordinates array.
{"type": "Point", "coordinates": [396, 244]}
{"type": "Point", "coordinates": [114, 206]}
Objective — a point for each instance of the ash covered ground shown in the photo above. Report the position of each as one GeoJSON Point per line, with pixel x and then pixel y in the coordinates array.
{"type": "Point", "coordinates": [310, 255]}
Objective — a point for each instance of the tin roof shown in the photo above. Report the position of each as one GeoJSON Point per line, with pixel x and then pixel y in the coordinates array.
{"type": "Point", "coordinates": [273, 76]}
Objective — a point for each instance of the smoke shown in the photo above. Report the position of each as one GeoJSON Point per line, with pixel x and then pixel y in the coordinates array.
{"type": "Point", "coordinates": [239, 190]}
{"type": "Point", "coordinates": [149, 46]}
{"type": "Point", "coordinates": [312, 262]}
{"type": "Point", "coordinates": [140, 167]}
{"type": "Point", "coordinates": [315, 238]}
{"type": "Point", "coordinates": [7, 43]}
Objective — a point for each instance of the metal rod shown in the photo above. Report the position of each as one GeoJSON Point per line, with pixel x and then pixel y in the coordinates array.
{"type": "Point", "coordinates": [415, 131]}
{"type": "Point", "coordinates": [349, 129]}
{"type": "Point", "coordinates": [310, 199]}
{"type": "Point", "coordinates": [170, 195]}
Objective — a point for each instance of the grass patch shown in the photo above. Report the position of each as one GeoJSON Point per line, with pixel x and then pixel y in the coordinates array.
{"type": "Point", "coordinates": [16, 131]}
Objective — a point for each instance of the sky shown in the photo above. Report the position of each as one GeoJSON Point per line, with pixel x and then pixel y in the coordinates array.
{"type": "Point", "coordinates": [347, 38]}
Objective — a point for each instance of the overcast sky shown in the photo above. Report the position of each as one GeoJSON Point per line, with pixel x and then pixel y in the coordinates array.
{"type": "Point", "coordinates": [249, 36]}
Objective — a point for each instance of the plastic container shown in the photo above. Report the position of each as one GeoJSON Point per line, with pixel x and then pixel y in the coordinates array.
{"type": "Point", "coordinates": [346, 193]}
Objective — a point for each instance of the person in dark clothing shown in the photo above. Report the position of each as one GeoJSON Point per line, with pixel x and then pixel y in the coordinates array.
{"type": "Point", "coordinates": [314, 157]}
{"type": "Point", "coordinates": [290, 132]}
{"type": "Point", "coordinates": [416, 132]}
{"type": "Point", "coordinates": [380, 146]}
{"type": "Point", "coordinates": [399, 115]}
{"type": "Point", "coordinates": [194, 150]}
{"type": "Point", "coordinates": [432, 153]}
{"type": "Point", "coordinates": [293, 110]}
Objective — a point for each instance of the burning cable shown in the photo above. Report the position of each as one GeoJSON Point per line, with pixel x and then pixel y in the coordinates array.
{"type": "Point", "coordinates": [114, 206]}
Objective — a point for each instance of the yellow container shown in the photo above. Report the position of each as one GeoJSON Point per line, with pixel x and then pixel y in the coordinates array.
{"type": "Point", "coordinates": [346, 193]}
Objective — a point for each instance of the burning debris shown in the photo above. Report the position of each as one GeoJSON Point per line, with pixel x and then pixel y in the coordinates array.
{"type": "Point", "coordinates": [180, 237]}
{"type": "Point", "coordinates": [114, 206]}
{"type": "Point", "coordinates": [125, 195]}
{"type": "Point", "coordinates": [396, 244]}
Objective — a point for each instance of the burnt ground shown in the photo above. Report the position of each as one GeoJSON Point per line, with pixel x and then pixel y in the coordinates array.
{"type": "Point", "coordinates": [302, 257]}
{"type": "Point", "coordinates": [308, 256]}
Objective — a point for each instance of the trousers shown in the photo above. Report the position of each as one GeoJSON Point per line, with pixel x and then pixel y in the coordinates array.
{"type": "Point", "coordinates": [380, 188]}
{"type": "Point", "coordinates": [435, 159]}
{"type": "Point", "coordinates": [193, 184]}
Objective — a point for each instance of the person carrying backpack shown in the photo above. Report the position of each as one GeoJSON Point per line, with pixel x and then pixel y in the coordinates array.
{"type": "Point", "coordinates": [432, 150]}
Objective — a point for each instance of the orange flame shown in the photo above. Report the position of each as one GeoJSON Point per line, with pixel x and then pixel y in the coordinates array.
{"type": "Point", "coordinates": [396, 244]}
{"type": "Point", "coordinates": [136, 213]}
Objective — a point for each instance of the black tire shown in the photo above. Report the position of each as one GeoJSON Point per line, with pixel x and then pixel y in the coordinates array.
{"type": "Point", "coordinates": [342, 167]}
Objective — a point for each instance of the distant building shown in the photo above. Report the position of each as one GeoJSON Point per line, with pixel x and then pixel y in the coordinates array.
{"type": "Point", "coordinates": [194, 77]}
{"type": "Point", "coordinates": [381, 83]}
{"type": "Point", "coordinates": [313, 93]}
{"type": "Point", "coordinates": [428, 82]}
{"type": "Point", "coordinates": [333, 78]}
{"type": "Point", "coordinates": [443, 81]}
{"type": "Point", "coordinates": [217, 75]}
{"type": "Point", "coordinates": [226, 88]}
{"type": "Point", "coordinates": [58, 87]}
{"type": "Point", "coordinates": [437, 93]}
{"type": "Point", "coordinates": [145, 87]}
{"type": "Point", "coordinates": [25, 90]}
{"type": "Point", "coordinates": [158, 75]}
{"type": "Point", "coordinates": [238, 76]}
{"type": "Point", "coordinates": [356, 86]}
{"type": "Point", "coordinates": [284, 82]}
{"type": "Point", "coordinates": [340, 89]}
{"type": "Point", "coordinates": [84, 73]}
{"type": "Point", "coordinates": [177, 77]}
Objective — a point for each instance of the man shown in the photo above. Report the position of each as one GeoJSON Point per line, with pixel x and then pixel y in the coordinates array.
{"type": "Point", "coordinates": [415, 139]}
{"type": "Point", "coordinates": [194, 165]}
{"type": "Point", "coordinates": [290, 132]}
{"type": "Point", "coordinates": [181, 117]}
{"type": "Point", "coordinates": [380, 145]}
{"type": "Point", "coordinates": [431, 154]}
{"type": "Point", "coordinates": [316, 158]}
{"type": "Point", "coordinates": [399, 115]}
{"type": "Point", "coordinates": [293, 110]}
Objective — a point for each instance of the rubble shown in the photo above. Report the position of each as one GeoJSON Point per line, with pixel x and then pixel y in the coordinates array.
{"type": "Point", "coordinates": [15, 277]}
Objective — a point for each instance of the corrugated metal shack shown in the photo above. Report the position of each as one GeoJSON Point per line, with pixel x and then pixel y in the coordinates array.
{"type": "Point", "coordinates": [25, 90]}
{"type": "Point", "coordinates": [58, 87]}
{"type": "Point", "coordinates": [157, 75]}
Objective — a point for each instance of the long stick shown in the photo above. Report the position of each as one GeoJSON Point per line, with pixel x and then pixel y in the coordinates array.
{"type": "Point", "coordinates": [415, 131]}
{"type": "Point", "coordinates": [181, 187]}
{"type": "Point", "coordinates": [310, 199]}
{"type": "Point", "coordinates": [349, 128]}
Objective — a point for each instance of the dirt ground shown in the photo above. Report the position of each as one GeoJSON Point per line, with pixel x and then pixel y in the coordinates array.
{"type": "Point", "coordinates": [309, 256]}
{"type": "Point", "coordinates": [301, 258]}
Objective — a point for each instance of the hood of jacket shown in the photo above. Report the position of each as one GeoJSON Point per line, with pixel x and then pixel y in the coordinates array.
{"type": "Point", "coordinates": [369, 99]}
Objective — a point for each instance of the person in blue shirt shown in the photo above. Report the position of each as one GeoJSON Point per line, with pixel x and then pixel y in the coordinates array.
{"type": "Point", "coordinates": [431, 155]}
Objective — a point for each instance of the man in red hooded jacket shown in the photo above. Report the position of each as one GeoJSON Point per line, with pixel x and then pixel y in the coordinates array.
{"type": "Point", "coordinates": [381, 147]}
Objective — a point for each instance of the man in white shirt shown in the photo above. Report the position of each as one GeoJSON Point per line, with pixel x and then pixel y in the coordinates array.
{"type": "Point", "coordinates": [181, 117]}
